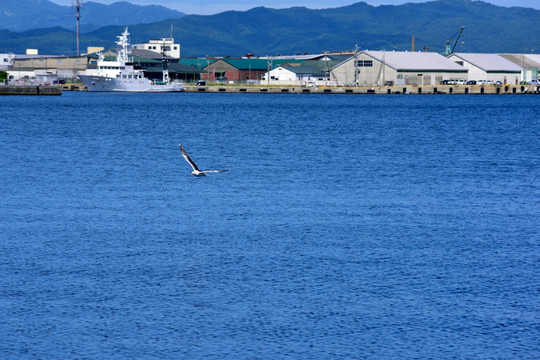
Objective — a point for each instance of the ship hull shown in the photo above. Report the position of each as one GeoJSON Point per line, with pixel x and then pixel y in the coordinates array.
{"type": "Point", "coordinates": [110, 84]}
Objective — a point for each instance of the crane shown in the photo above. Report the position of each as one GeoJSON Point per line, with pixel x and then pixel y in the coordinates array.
{"type": "Point", "coordinates": [449, 50]}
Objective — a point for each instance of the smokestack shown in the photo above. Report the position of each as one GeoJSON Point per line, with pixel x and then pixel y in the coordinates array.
{"type": "Point", "coordinates": [412, 44]}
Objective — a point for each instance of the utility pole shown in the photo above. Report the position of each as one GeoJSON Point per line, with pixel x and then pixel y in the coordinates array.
{"type": "Point", "coordinates": [78, 6]}
{"type": "Point", "coordinates": [356, 65]}
{"type": "Point", "coordinates": [270, 65]}
{"type": "Point", "coordinates": [327, 69]}
{"type": "Point", "coordinates": [208, 68]}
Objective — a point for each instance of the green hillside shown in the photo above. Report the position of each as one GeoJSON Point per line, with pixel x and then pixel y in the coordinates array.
{"type": "Point", "coordinates": [264, 31]}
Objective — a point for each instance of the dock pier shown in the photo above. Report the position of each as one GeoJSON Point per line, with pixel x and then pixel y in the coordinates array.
{"type": "Point", "coordinates": [30, 90]}
{"type": "Point", "coordinates": [406, 89]}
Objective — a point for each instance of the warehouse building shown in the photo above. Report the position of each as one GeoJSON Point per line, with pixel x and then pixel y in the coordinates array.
{"type": "Point", "coordinates": [529, 64]}
{"type": "Point", "coordinates": [490, 67]}
{"type": "Point", "coordinates": [378, 68]}
{"type": "Point", "coordinates": [51, 67]}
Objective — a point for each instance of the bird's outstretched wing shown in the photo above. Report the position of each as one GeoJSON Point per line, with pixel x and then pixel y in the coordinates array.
{"type": "Point", "coordinates": [188, 159]}
{"type": "Point", "coordinates": [215, 171]}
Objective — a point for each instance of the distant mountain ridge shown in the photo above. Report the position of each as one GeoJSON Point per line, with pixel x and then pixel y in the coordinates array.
{"type": "Point", "coordinates": [265, 31]}
{"type": "Point", "coordinates": [23, 15]}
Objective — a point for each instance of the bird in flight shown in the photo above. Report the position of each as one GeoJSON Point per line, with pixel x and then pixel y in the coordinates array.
{"type": "Point", "coordinates": [196, 170]}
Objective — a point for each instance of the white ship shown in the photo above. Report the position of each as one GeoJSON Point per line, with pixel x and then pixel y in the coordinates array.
{"type": "Point", "coordinates": [121, 76]}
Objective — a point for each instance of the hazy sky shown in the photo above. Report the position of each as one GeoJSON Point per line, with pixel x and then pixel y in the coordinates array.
{"type": "Point", "coordinates": [207, 7]}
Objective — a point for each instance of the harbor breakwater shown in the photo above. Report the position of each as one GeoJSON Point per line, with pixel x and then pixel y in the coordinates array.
{"type": "Point", "coordinates": [30, 90]}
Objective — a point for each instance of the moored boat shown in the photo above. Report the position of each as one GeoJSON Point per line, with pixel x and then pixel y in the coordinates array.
{"type": "Point", "coordinates": [121, 75]}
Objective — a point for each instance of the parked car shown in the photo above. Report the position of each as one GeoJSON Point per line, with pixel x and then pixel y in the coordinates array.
{"type": "Point", "coordinates": [498, 83]}
{"type": "Point", "coordinates": [461, 82]}
{"type": "Point", "coordinates": [471, 82]}
{"type": "Point", "coordinates": [534, 82]}
{"type": "Point", "coordinates": [201, 83]}
{"type": "Point", "coordinates": [444, 82]}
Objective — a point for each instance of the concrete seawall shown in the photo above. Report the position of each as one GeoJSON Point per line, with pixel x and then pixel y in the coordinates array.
{"type": "Point", "coordinates": [407, 89]}
{"type": "Point", "coordinates": [30, 90]}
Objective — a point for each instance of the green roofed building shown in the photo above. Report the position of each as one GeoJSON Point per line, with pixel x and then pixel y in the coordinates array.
{"type": "Point", "coordinates": [307, 73]}
{"type": "Point", "coordinates": [240, 70]}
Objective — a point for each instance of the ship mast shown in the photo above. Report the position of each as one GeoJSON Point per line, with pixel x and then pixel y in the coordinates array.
{"type": "Point", "coordinates": [123, 42]}
{"type": "Point", "coordinates": [78, 6]}
{"type": "Point", "coordinates": [164, 61]}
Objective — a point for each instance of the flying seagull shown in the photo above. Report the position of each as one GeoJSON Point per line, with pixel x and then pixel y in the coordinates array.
{"type": "Point", "coordinates": [196, 170]}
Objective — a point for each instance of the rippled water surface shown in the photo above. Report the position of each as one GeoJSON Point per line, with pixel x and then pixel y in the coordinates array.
{"type": "Point", "coordinates": [349, 227]}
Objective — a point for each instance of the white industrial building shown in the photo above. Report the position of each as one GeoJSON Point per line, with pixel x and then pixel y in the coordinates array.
{"type": "Point", "coordinates": [163, 45]}
{"type": "Point", "coordinates": [491, 67]}
{"type": "Point", "coordinates": [43, 68]}
{"type": "Point", "coordinates": [294, 75]}
{"type": "Point", "coordinates": [6, 61]}
{"type": "Point", "coordinates": [529, 64]}
{"type": "Point", "coordinates": [313, 72]}
{"type": "Point", "coordinates": [378, 68]}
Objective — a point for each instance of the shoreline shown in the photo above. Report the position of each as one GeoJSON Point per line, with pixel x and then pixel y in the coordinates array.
{"type": "Point", "coordinates": [367, 90]}
{"type": "Point", "coordinates": [381, 90]}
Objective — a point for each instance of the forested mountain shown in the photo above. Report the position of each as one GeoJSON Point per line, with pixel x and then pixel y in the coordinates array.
{"type": "Point", "coordinates": [265, 31]}
{"type": "Point", "coordinates": [22, 15]}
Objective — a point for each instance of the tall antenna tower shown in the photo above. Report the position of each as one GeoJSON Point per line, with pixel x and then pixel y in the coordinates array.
{"type": "Point", "coordinates": [78, 5]}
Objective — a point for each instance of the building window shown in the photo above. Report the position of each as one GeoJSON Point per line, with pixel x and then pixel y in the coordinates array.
{"type": "Point", "coordinates": [364, 63]}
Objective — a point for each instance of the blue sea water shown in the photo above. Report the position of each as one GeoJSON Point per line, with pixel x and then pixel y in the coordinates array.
{"type": "Point", "coordinates": [349, 227]}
